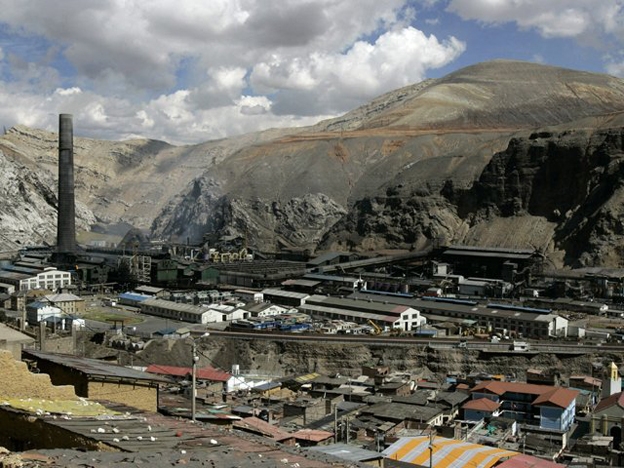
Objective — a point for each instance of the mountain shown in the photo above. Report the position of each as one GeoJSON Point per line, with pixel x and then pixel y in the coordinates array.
{"type": "Point", "coordinates": [501, 154]}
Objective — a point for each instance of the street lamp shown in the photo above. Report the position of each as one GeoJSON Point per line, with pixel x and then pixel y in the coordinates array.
{"type": "Point", "coordinates": [195, 359]}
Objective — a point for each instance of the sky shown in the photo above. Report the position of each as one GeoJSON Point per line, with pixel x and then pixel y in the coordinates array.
{"type": "Point", "coordinates": [189, 71]}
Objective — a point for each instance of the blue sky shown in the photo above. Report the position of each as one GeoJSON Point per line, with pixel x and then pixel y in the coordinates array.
{"type": "Point", "coordinates": [188, 71]}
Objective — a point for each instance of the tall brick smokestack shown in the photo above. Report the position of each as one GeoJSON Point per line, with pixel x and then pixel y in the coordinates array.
{"type": "Point", "coordinates": [66, 223]}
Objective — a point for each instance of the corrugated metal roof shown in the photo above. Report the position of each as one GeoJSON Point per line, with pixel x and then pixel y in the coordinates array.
{"type": "Point", "coordinates": [447, 453]}
{"type": "Point", "coordinates": [348, 452]}
{"type": "Point", "coordinates": [312, 435]}
{"type": "Point", "coordinates": [204, 373]}
{"type": "Point", "coordinates": [544, 394]}
{"type": "Point", "coordinates": [93, 367]}
{"type": "Point", "coordinates": [258, 425]}
{"type": "Point", "coordinates": [134, 296]}
{"type": "Point", "coordinates": [612, 400]}
{"type": "Point", "coordinates": [527, 461]}
{"type": "Point", "coordinates": [481, 404]}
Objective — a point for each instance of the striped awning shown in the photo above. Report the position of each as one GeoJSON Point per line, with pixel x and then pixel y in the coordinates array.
{"type": "Point", "coordinates": [446, 453]}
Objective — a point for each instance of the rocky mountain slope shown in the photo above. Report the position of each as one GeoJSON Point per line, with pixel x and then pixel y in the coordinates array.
{"type": "Point", "coordinates": [503, 154]}
{"type": "Point", "coordinates": [287, 358]}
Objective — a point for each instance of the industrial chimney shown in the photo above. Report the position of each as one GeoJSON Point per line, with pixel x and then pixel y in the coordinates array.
{"type": "Point", "coordinates": [66, 224]}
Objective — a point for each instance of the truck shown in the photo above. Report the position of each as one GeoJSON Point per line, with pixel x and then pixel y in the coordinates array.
{"type": "Point", "coordinates": [520, 346]}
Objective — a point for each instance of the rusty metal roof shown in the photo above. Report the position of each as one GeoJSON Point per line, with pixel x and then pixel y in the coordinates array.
{"type": "Point", "coordinates": [94, 367]}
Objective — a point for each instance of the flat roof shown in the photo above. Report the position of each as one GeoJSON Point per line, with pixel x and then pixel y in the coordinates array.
{"type": "Point", "coordinates": [282, 293]}
{"type": "Point", "coordinates": [482, 253]}
{"type": "Point", "coordinates": [301, 282]}
{"type": "Point", "coordinates": [177, 306]}
{"type": "Point", "coordinates": [346, 313]}
{"type": "Point", "coordinates": [11, 275]}
{"type": "Point", "coordinates": [148, 289]}
{"type": "Point", "coordinates": [94, 367]}
{"type": "Point", "coordinates": [337, 278]}
{"type": "Point", "coordinates": [353, 302]}
{"type": "Point", "coordinates": [440, 306]}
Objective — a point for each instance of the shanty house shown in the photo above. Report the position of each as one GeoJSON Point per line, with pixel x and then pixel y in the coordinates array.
{"type": "Point", "coordinates": [99, 380]}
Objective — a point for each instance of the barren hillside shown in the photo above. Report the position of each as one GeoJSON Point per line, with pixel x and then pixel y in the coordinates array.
{"type": "Point", "coordinates": [501, 153]}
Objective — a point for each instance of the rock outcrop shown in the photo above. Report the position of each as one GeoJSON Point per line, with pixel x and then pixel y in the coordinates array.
{"type": "Point", "coordinates": [501, 154]}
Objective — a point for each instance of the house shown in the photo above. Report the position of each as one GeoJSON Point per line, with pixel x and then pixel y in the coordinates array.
{"type": "Point", "coordinates": [481, 408]}
{"type": "Point", "coordinates": [552, 408]}
{"type": "Point", "coordinates": [99, 380]}
{"type": "Point", "coordinates": [38, 311]}
{"type": "Point", "coordinates": [312, 437]}
{"type": "Point", "coordinates": [262, 428]}
{"type": "Point", "coordinates": [408, 414]}
{"type": "Point", "coordinates": [214, 380]}
{"type": "Point", "coordinates": [68, 303]}
{"type": "Point", "coordinates": [608, 417]}
{"type": "Point", "coordinates": [19, 299]}
{"type": "Point", "coordinates": [394, 387]}
{"type": "Point", "coordinates": [308, 410]}
{"type": "Point", "coordinates": [451, 402]}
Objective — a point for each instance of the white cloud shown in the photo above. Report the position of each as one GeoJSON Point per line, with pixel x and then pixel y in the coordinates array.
{"type": "Point", "coordinates": [191, 70]}
{"type": "Point", "coordinates": [397, 58]}
{"type": "Point", "coordinates": [616, 69]}
{"type": "Point", "coordinates": [552, 18]}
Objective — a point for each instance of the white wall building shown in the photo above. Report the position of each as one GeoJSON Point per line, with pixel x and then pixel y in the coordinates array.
{"type": "Point", "coordinates": [248, 295]}
{"type": "Point", "coordinates": [38, 312]}
{"type": "Point", "coordinates": [50, 278]}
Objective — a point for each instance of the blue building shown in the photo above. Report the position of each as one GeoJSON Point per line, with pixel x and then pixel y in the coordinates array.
{"type": "Point", "coordinates": [547, 407]}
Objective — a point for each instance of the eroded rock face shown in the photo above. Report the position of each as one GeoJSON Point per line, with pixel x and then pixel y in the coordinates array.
{"type": "Point", "coordinates": [565, 188]}
{"type": "Point", "coordinates": [286, 358]}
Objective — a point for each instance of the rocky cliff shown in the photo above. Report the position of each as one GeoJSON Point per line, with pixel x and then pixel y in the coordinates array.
{"type": "Point", "coordinates": [502, 154]}
{"type": "Point", "coordinates": [287, 358]}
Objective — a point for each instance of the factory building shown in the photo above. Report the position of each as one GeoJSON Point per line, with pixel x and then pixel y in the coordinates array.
{"type": "Point", "coordinates": [24, 279]}
{"type": "Point", "coordinates": [391, 316]}
{"type": "Point", "coordinates": [492, 318]}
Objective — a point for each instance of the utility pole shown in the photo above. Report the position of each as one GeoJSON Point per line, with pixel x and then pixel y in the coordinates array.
{"type": "Point", "coordinates": [195, 358]}
{"type": "Point", "coordinates": [194, 381]}
{"type": "Point", "coordinates": [431, 435]}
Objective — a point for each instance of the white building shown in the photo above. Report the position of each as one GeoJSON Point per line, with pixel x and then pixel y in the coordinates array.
{"type": "Point", "coordinates": [50, 278]}
{"type": "Point", "coordinates": [39, 311]}
{"type": "Point", "coordinates": [248, 295]}
{"type": "Point", "coordinates": [386, 316]}
{"type": "Point", "coordinates": [178, 311]}
{"type": "Point", "coordinates": [266, 309]}
{"type": "Point", "coordinates": [229, 312]}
